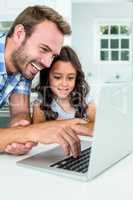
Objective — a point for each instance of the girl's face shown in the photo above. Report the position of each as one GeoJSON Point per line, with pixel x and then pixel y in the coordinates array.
{"type": "Point", "coordinates": [62, 79]}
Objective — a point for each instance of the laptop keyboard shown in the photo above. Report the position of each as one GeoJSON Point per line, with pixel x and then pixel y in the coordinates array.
{"type": "Point", "coordinates": [79, 164]}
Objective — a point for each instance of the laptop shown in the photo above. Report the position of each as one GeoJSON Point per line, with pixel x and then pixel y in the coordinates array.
{"type": "Point", "coordinates": [112, 140]}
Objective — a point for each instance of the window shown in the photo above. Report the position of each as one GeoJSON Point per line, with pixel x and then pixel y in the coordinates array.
{"type": "Point", "coordinates": [4, 27]}
{"type": "Point", "coordinates": [113, 42]}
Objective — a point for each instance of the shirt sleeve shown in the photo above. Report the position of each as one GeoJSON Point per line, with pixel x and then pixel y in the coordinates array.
{"type": "Point", "coordinates": [23, 86]}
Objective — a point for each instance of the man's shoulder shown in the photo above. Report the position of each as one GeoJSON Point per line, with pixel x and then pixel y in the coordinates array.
{"type": "Point", "coordinates": [21, 78]}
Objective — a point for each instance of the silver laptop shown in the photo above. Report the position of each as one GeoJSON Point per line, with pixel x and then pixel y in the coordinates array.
{"type": "Point", "coordinates": [112, 140]}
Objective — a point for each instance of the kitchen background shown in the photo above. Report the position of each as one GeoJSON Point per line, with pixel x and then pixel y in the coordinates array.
{"type": "Point", "coordinates": [102, 35]}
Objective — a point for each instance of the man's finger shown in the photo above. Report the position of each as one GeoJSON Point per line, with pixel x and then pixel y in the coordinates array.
{"type": "Point", "coordinates": [64, 144]}
{"type": "Point", "coordinates": [73, 142]}
{"type": "Point", "coordinates": [76, 138]}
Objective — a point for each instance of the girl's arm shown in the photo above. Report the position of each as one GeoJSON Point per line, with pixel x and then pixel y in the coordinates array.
{"type": "Point", "coordinates": [38, 114]}
{"type": "Point", "coordinates": [91, 112]}
{"type": "Point", "coordinates": [38, 117]}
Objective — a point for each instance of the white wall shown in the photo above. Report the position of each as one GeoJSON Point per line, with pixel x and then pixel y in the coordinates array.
{"type": "Point", "coordinates": [83, 17]}
{"type": "Point", "coordinates": [10, 9]}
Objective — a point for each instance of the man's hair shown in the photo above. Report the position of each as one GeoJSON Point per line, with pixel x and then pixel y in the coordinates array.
{"type": "Point", "coordinates": [34, 15]}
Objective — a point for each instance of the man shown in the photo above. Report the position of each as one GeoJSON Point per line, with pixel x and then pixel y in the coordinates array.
{"type": "Point", "coordinates": [31, 44]}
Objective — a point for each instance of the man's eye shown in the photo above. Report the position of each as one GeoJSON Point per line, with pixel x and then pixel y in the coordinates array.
{"type": "Point", "coordinates": [44, 50]}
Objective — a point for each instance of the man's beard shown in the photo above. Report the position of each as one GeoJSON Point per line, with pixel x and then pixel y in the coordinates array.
{"type": "Point", "coordinates": [20, 60]}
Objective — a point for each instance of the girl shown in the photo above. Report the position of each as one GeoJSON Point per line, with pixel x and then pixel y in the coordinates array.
{"type": "Point", "coordinates": [63, 92]}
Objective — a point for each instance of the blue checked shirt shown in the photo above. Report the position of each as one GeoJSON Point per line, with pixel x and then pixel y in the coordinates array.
{"type": "Point", "coordinates": [10, 83]}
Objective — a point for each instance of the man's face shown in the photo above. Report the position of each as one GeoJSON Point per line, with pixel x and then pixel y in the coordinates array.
{"type": "Point", "coordinates": [38, 51]}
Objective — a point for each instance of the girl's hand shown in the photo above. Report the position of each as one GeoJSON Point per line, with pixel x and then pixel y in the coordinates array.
{"type": "Point", "coordinates": [82, 122]}
{"type": "Point", "coordinates": [73, 121]}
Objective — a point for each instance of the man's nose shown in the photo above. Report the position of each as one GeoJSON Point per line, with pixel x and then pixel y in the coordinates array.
{"type": "Point", "coordinates": [46, 60]}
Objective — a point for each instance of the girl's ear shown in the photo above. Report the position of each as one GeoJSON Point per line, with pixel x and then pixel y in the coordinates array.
{"type": "Point", "coordinates": [19, 34]}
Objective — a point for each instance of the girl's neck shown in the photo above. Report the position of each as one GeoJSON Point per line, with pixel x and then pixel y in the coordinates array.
{"type": "Point", "coordinates": [65, 104]}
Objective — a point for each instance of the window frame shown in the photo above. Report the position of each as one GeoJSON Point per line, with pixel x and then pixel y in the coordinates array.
{"type": "Point", "coordinates": [97, 39]}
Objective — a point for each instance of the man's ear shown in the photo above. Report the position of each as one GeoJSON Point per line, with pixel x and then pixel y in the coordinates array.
{"type": "Point", "coordinates": [19, 34]}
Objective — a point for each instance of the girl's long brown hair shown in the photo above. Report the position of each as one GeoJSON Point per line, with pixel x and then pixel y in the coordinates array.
{"type": "Point", "coordinates": [77, 96]}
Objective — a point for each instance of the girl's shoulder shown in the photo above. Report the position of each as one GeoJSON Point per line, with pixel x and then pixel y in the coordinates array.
{"type": "Point", "coordinates": [89, 99]}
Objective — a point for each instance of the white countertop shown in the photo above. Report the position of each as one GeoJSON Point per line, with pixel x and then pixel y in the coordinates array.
{"type": "Point", "coordinates": [19, 183]}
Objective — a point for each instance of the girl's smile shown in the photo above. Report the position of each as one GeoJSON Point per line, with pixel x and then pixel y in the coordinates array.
{"type": "Point", "coordinates": [62, 79]}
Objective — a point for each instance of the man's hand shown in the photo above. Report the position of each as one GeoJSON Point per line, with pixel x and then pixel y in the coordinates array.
{"type": "Point", "coordinates": [19, 148]}
{"type": "Point", "coordinates": [59, 132]}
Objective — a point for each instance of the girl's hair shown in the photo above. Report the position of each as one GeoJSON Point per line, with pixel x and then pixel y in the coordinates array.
{"type": "Point", "coordinates": [77, 96]}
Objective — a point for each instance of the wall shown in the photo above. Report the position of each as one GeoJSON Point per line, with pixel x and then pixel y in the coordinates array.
{"type": "Point", "coordinates": [83, 18]}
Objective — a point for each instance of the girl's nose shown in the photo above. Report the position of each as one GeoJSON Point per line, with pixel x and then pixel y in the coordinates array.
{"type": "Point", "coordinates": [64, 82]}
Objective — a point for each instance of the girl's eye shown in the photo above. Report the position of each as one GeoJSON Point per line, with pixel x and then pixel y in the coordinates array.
{"type": "Point", "coordinates": [71, 78]}
{"type": "Point", "coordinates": [57, 77]}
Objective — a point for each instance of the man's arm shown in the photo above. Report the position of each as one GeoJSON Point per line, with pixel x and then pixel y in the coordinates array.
{"type": "Point", "coordinates": [47, 133]}
{"type": "Point", "coordinates": [20, 116]}
{"type": "Point", "coordinates": [8, 136]}
{"type": "Point", "coordinates": [19, 109]}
